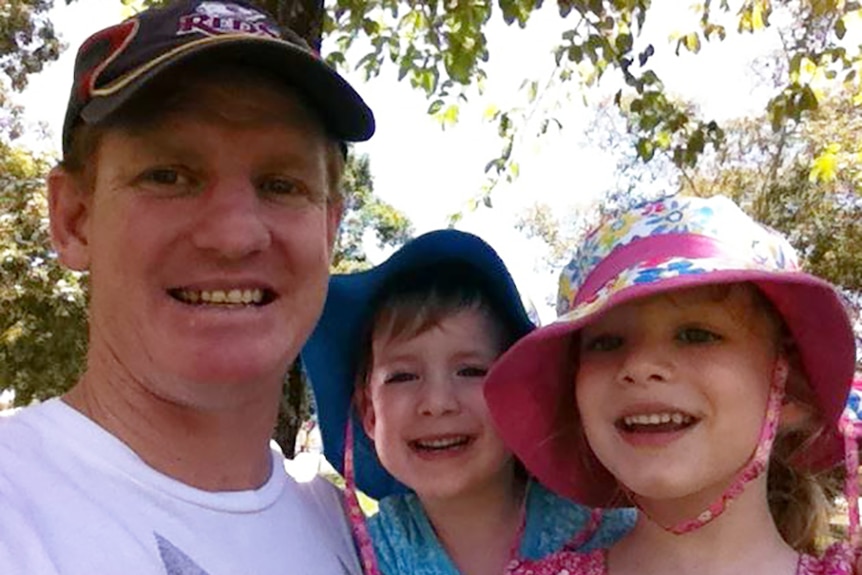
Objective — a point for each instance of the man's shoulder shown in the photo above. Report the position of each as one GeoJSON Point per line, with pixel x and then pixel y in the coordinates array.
{"type": "Point", "coordinates": [26, 431]}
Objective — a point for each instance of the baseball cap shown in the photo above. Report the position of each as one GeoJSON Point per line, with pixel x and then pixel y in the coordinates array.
{"type": "Point", "coordinates": [115, 63]}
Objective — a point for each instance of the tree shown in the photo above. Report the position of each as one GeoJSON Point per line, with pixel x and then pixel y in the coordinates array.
{"type": "Point", "coordinates": [804, 180]}
{"type": "Point", "coordinates": [441, 48]}
{"type": "Point", "coordinates": [43, 315]}
{"type": "Point", "coordinates": [364, 213]}
{"type": "Point", "coordinates": [42, 305]}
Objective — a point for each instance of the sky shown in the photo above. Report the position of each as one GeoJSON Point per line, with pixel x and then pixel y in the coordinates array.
{"type": "Point", "coordinates": [429, 173]}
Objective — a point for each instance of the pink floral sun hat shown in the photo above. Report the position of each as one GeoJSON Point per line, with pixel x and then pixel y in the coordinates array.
{"type": "Point", "coordinates": [659, 246]}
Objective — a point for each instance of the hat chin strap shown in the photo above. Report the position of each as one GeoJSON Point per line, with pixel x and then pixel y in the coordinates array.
{"type": "Point", "coordinates": [755, 466]}
{"type": "Point", "coordinates": [354, 512]}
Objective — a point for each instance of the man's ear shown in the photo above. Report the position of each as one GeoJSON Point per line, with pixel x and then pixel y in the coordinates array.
{"type": "Point", "coordinates": [69, 209]}
{"type": "Point", "coordinates": [334, 212]}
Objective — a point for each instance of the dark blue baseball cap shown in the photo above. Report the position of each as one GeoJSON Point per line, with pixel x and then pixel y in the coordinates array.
{"type": "Point", "coordinates": [115, 63]}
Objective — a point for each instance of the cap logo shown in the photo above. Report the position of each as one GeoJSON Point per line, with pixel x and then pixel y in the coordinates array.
{"type": "Point", "coordinates": [215, 18]}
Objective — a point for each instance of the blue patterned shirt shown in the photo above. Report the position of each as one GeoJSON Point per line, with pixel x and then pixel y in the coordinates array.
{"type": "Point", "coordinates": [405, 542]}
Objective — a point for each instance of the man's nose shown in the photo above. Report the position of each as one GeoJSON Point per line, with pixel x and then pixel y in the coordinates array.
{"type": "Point", "coordinates": [231, 222]}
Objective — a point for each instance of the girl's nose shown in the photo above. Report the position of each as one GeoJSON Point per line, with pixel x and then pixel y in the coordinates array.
{"type": "Point", "coordinates": [646, 362]}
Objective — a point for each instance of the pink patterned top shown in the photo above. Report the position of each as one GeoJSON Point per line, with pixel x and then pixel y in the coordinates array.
{"type": "Point", "coordinates": [837, 560]}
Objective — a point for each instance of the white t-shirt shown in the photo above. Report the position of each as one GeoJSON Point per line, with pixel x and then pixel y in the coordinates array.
{"type": "Point", "coordinates": [76, 500]}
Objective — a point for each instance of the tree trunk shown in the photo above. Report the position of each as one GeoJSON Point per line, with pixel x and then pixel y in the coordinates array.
{"type": "Point", "coordinates": [294, 409]}
{"type": "Point", "coordinates": [305, 17]}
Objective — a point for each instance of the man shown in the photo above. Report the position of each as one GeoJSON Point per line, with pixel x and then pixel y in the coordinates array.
{"type": "Point", "coordinates": [202, 154]}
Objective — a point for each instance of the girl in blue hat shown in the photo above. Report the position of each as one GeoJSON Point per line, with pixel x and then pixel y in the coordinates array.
{"type": "Point", "coordinates": [397, 364]}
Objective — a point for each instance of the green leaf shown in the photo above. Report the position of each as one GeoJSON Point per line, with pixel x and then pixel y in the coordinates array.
{"type": "Point", "coordinates": [840, 28]}
{"type": "Point", "coordinates": [435, 107]}
{"type": "Point", "coordinates": [645, 149]}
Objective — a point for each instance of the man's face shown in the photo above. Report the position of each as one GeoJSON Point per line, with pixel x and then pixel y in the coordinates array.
{"type": "Point", "coordinates": [208, 236]}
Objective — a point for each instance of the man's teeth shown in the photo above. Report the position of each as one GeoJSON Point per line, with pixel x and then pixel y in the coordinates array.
{"type": "Point", "coordinates": [231, 297]}
{"type": "Point", "coordinates": [658, 419]}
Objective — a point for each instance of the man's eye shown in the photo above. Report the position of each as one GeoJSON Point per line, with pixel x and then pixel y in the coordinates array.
{"type": "Point", "coordinates": [166, 182]}
{"type": "Point", "coordinates": [164, 176]}
{"type": "Point", "coordinates": [399, 377]}
{"type": "Point", "coordinates": [696, 335]}
{"type": "Point", "coordinates": [282, 187]}
{"type": "Point", "coordinates": [602, 343]}
{"type": "Point", "coordinates": [473, 371]}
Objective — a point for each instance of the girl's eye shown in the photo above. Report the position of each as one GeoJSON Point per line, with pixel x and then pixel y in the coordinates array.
{"type": "Point", "coordinates": [400, 377]}
{"type": "Point", "coordinates": [696, 335]}
{"type": "Point", "coordinates": [473, 371]}
{"type": "Point", "coordinates": [602, 343]}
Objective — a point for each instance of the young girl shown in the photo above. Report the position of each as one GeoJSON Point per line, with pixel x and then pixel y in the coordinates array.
{"type": "Point", "coordinates": [397, 364]}
{"type": "Point", "coordinates": [696, 373]}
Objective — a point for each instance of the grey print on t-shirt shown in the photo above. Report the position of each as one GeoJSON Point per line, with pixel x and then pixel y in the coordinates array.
{"type": "Point", "coordinates": [176, 562]}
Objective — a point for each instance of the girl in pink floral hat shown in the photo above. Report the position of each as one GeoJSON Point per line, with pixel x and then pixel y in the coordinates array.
{"type": "Point", "coordinates": [694, 372]}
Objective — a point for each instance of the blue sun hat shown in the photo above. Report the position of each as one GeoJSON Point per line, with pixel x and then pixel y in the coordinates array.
{"type": "Point", "coordinates": [332, 353]}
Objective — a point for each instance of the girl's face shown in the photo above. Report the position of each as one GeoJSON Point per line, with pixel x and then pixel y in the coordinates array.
{"type": "Point", "coordinates": [672, 391]}
{"type": "Point", "coordinates": [427, 414]}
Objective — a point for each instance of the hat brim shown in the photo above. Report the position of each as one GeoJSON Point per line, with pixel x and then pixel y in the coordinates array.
{"type": "Point", "coordinates": [530, 390]}
{"type": "Point", "coordinates": [340, 108]}
{"type": "Point", "coordinates": [330, 356]}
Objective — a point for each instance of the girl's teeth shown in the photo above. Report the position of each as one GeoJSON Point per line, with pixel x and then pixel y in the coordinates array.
{"type": "Point", "coordinates": [657, 419]}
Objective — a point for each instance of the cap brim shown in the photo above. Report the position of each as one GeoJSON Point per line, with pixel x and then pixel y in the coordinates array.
{"type": "Point", "coordinates": [342, 111]}
{"type": "Point", "coordinates": [331, 354]}
{"type": "Point", "coordinates": [531, 396]}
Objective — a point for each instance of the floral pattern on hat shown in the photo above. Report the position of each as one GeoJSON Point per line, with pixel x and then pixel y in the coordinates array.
{"type": "Point", "coordinates": [753, 247]}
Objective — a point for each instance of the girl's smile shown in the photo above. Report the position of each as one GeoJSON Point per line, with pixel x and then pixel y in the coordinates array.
{"type": "Point", "coordinates": [672, 389]}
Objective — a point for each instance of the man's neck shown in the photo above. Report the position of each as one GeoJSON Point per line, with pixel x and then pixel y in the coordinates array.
{"type": "Point", "coordinates": [211, 449]}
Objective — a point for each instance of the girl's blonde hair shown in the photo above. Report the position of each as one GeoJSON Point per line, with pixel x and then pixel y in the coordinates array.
{"type": "Point", "coordinates": [801, 501]}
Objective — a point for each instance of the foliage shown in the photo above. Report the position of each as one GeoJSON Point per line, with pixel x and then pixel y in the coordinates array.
{"type": "Point", "coordinates": [365, 212]}
{"type": "Point", "coordinates": [804, 180]}
{"type": "Point", "coordinates": [441, 48]}
{"type": "Point", "coordinates": [27, 39]}
{"type": "Point", "coordinates": [42, 305]}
